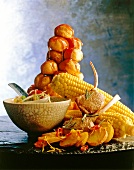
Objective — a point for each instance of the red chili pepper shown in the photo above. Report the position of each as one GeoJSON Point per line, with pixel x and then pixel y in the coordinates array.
{"type": "Point", "coordinates": [59, 132]}
{"type": "Point", "coordinates": [95, 127]}
{"type": "Point", "coordinates": [40, 143]}
{"type": "Point", "coordinates": [68, 134]}
{"type": "Point", "coordinates": [84, 148]}
{"type": "Point", "coordinates": [36, 91]}
{"type": "Point", "coordinates": [79, 134]}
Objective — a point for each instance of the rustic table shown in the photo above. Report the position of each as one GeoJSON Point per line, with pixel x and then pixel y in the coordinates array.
{"type": "Point", "coordinates": [18, 152]}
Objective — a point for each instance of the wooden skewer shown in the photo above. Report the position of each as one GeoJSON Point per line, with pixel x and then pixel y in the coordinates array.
{"type": "Point", "coordinates": [95, 75]}
{"type": "Point", "coordinates": [113, 101]}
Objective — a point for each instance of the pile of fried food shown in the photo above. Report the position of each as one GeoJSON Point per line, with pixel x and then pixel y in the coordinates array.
{"type": "Point", "coordinates": [64, 54]}
{"type": "Point", "coordinates": [94, 116]}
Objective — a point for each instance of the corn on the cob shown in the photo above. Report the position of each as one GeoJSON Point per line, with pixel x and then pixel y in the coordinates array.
{"type": "Point", "coordinates": [71, 87]}
{"type": "Point", "coordinates": [122, 125]}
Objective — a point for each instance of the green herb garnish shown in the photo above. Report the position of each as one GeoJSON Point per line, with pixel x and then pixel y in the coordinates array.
{"type": "Point", "coordinates": [88, 94]}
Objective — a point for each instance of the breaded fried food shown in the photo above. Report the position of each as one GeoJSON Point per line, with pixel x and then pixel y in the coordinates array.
{"type": "Point", "coordinates": [74, 54]}
{"type": "Point", "coordinates": [75, 42]}
{"type": "Point", "coordinates": [71, 139]}
{"type": "Point", "coordinates": [64, 30]}
{"type": "Point", "coordinates": [83, 137]}
{"type": "Point", "coordinates": [41, 81]}
{"type": "Point", "coordinates": [58, 43]}
{"type": "Point", "coordinates": [97, 137]}
{"type": "Point", "coordinates": [73, 114]}
{"type": "Point", "coordinates": [92, 101]}
{"type": "Point", "coordinates": [54, 55]}
{"type": "Point", "coordinates": [49, 67]}
{"type": "Point", "coordinates": [110, 130]}
{"type": "Point", "coordinates": [69, 66]}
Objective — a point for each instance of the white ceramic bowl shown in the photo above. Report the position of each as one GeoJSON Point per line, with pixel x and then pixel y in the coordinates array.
{"type": "Point", "coordinates": [37, 117]}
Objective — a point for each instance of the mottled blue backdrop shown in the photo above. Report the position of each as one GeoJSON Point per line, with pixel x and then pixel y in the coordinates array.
{"type": "Point", "coordinates": [106, 28]}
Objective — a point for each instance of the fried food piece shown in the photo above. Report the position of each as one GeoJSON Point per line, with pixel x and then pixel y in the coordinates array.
{"type": "Point", "coordinates": [83, 137]}
{"type": "Point", "coordinates": [74, 54]}
{"type": "Point", "coordinates": [71, 139]}
{"type": "Point", "coordinates": [73, 106]}
{"type": "Point", "coordinates": [54, 55]}
{"type": "Point", "coordinates": [49, 67]}
{"type": "Point", "coordinates": [41, 81]}
{"type": "Point", "coordinates": [91, 104]}
{"type": "Point", "coordinates": [69, 66]}
{"type": "Point", "coordinates": [73, 114]}
{"type": "Point", "coordinates": [40, 143]}
{"type": "Point", "coordinates": [64, 30]}
{"type": "Point", "coordinates": [75, 43]}
{"type": "Point", "coordinates": [79, 123]}
{"type": "Point", "coordinates": [110, 130]}
{"type": "Point", "coordinates": [58, 43]}
{"type": "Point", "coordinates": [50, 137]}
{"type": "Point", "coordinates": [97, 136]}
{"type": "Point", "coordinates": [92, 100]}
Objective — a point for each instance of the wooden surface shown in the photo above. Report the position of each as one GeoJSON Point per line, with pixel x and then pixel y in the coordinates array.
{"type": "Point", "coordinates": [17, 152]}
